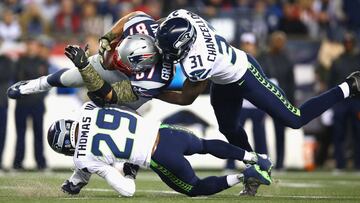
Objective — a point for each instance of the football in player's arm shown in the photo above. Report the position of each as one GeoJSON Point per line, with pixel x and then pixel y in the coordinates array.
{"type": "Point", "coordinates": [99, 75]}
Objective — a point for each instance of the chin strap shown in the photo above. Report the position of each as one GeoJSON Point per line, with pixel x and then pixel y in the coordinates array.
{"type": "Point", "coordinates": [73, 133]}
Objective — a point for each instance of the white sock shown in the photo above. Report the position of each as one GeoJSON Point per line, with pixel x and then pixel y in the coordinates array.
{"type": "Point", "coordinates": [35, 86]}
{"type": "Point", "coordinates": [249, 156]}
{"type": "Point", "coordinates": [44, 85]}
{"type": "Point", "coordinates": [345, 89]}
{"type": "Point", "coordinates": [233, 179]}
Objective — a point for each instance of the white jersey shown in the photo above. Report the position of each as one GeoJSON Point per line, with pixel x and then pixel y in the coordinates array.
{"type": "Point", "coordinates": [211, 57]}
{"type": "Point", "coordinates": [109, 135]}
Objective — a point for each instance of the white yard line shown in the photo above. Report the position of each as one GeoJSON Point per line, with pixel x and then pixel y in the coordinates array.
{"type": "Point", "coordinates": [301, 185]}
{"type": "Point", "coordinates": [146, 191]}
{"type": "Point", "coordinates": [312, 197]}
{"type": "Point", "coordinates": [203, 197]}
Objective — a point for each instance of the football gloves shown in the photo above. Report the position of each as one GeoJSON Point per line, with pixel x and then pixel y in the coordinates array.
{"type": "Point", "coordinates": [130, 170]}
{"type": "Point", "coordinates": [78, 55]}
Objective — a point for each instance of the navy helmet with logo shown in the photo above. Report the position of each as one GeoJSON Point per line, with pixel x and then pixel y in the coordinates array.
{"type": "Point", "coordinates": [61, 136]}
{"type": "Point", "coordinates": [174, 38]}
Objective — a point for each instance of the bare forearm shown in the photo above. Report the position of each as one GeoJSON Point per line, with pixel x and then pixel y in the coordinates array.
{"type": "Point", "coordinates": [187, 96]}
{"type": "Point", "coordinates": [118, 28]}
{"type": "Point", "coordinates": [175, 97]}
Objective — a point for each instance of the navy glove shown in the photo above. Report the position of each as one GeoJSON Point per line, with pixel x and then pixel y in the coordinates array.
{"type": "Point", "coordinates": [130, 170]}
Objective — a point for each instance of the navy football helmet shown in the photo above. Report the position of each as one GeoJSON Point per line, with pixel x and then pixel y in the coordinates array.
{"type": "Point", "coordinates": [61, 136]}
{"type": "Point", "coordinates": [174, 38]}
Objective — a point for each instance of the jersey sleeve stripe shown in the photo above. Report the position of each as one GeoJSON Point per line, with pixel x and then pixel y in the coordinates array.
{"type": "Point", "coordinates": [136, 19]}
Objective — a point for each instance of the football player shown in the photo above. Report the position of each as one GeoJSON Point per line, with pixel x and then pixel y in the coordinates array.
{"type": "Point", "coordinates": [204, 55]}
{"type": "Point", "coordinates": [102, 137]}
{"type": "Point", "coordinates": [154, 77]}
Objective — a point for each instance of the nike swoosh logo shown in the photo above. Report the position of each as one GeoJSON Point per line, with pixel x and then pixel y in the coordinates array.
{"type": "Point", "coordinates": [240, 83]}
{"type": "Point", "coordinates": [81, 59]}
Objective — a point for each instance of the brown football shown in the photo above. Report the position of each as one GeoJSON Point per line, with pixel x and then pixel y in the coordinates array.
{"type": "Point", "coordinates": [109, 55]}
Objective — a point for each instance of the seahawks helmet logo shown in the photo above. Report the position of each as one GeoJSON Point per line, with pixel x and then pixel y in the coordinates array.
{"type": "Point", "coordinates": [184, 38]}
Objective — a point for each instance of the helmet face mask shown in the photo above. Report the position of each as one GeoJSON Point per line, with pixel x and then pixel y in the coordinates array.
{"type": "Point", "coordinates": [61, 136]}
{"type": "Point", "coordinates": [174, 38]}
{"type": "Point", "coordinates": [137, 53]}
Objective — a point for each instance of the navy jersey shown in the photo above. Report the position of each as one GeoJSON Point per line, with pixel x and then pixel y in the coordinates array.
{"type": "Point", "coordinates": [140, 24]}
{"type": "Point", "coordinates": [151, 82]}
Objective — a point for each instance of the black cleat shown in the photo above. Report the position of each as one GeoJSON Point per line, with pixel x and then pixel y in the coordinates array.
{"type": "Point", "coordinates": [353, 80]}
{"type": "Point", "coordinates": [71, 189]}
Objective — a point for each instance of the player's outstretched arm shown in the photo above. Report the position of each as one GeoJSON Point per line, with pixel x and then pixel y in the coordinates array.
{"type": "Point", "coordinates": [100, 92]}
{"type": "Point", "coordinates": [124, 186]}
{"type": "Point", "coordinates": [187, 96]}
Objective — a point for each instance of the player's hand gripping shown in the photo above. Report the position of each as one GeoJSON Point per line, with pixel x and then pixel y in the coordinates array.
{"type": "Point", "coordinates": [104, 45]}
{"type": "Point", "coordinates": [78, 55]}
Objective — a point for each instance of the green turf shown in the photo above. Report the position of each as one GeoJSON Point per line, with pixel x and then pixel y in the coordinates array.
{"type": "Point", "coordinates": [26, 187]}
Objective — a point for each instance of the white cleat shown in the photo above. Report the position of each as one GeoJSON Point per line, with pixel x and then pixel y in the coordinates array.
{"type": "Point", "coordinates": [27, 87]}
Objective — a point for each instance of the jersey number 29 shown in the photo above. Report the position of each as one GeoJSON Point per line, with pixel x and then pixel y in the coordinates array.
{"type": "Point", "coordinates": [117, 116]}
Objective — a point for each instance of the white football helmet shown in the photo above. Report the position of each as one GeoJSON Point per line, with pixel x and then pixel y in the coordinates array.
{"type": "Point", "coordinates": [137, 53]}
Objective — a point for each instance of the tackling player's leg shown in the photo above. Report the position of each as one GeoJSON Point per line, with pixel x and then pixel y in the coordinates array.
{"type": "Point", "coordinates": [270, 98]}
{"type": "Point", "coordinates": [178, 174]}
{"type": "Point", "coordinates": [227, 105]}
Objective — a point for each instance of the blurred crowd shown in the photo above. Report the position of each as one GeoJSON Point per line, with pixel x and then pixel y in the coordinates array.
{"type": "Point", "coordinates": [66, 19]}
{"type": "Point", "coordinates": [280, 33]}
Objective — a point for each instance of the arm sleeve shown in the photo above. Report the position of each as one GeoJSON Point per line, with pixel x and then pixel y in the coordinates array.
{"type": "Point", "coordinates": [124, 92]}
{"type": "Point", "coordinates": [124, 186]}
{"type": "Point", "coordinates": [93, 82]}
{"type": "Point", "coordinates": [92, 79]}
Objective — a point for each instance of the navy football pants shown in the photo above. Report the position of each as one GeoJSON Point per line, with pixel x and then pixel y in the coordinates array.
{"type": "Point", "coordinates": [169, 163]}
{"type": "Point", "coordinates": [255, 87]}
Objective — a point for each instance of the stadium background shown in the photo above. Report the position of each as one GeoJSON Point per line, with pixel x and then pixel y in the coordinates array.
{"type": "Point", "coordinates": [311, 25]}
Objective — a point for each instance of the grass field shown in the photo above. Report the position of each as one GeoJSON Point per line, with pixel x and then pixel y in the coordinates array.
{"type": "Point", "coordinates": [287, 187]}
